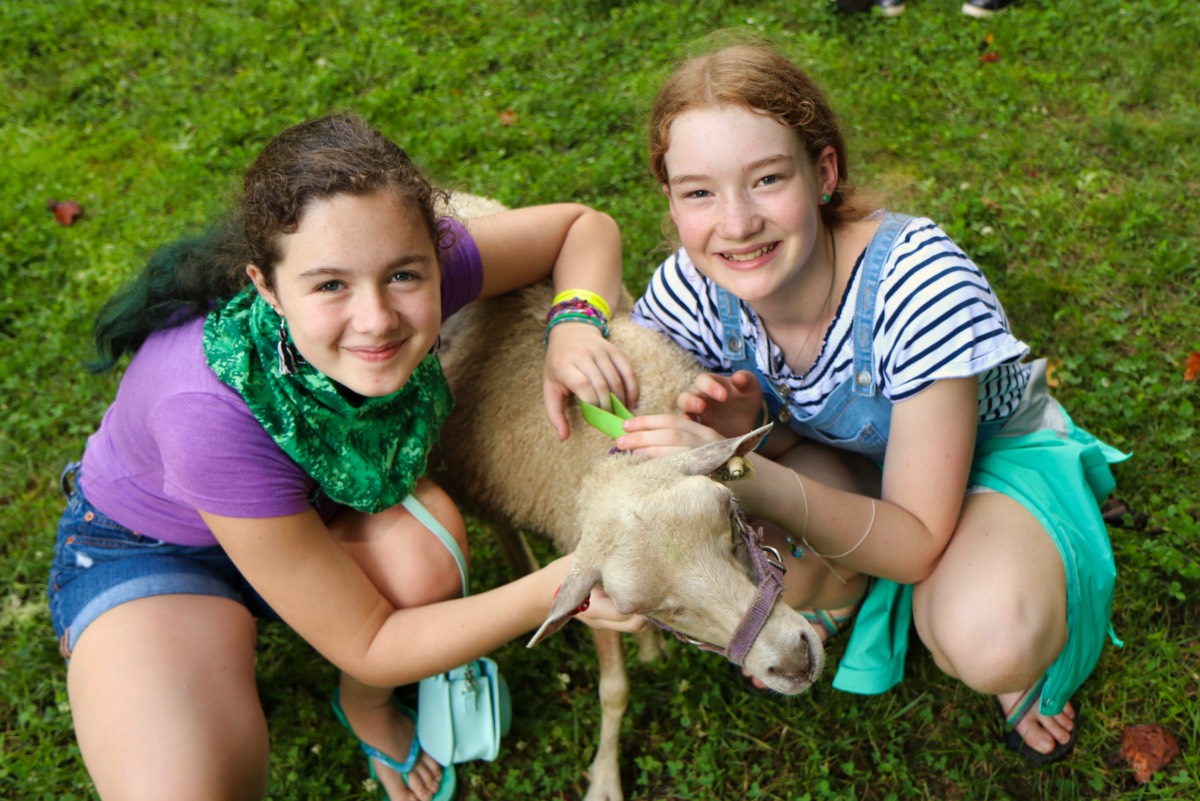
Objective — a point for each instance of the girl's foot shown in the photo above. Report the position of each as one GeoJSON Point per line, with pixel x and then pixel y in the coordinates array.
{"type": "Point", "coordinates": [387, 736]}
{"type": "Point", "coordinates": [1041, 739]}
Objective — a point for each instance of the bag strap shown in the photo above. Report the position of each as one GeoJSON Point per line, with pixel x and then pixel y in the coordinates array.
{"type": "Point", "coordinates": [430, 522]}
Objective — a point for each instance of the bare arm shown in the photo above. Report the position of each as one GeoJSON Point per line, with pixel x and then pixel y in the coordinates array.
{"type": "Point", "coordinates": [929, 454]}
{"type": "Point", "coordinates": [577, 245]}
{"type": "Point", "coordinates": [581, 249]}
{"type": "Point", "coordinates": [320, 591]}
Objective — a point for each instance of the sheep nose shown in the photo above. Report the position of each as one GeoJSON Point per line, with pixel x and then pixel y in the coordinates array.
{"type": "Point", "coordinates": [800, 666]}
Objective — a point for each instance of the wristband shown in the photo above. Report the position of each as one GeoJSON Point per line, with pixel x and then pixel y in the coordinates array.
{"type": "Point", "coordinates": [574, 317]}
{"type": "Point", "coordinates": [588, 297]}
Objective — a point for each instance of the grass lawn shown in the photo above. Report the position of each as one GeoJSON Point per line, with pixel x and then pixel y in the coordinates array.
{"type": "Point", "coordinates": [1055, 143]}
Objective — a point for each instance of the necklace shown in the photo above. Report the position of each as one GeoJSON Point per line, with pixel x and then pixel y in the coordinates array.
{"type": "Point", "coordinates": [818, 325]}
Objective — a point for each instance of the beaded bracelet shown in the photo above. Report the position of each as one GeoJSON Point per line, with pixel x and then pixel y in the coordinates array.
{"type": "Point", "coordinates": [575, 305]}
{"type": "Point", "coordinates": [570, 307]}
{"type": "Point", "coordinates": [574, 317]}
{"type": "Point", "coordinates": [586, 296]}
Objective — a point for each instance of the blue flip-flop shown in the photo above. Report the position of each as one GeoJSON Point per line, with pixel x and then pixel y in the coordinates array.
{"type": "Point", "coordinates": [449, 784]}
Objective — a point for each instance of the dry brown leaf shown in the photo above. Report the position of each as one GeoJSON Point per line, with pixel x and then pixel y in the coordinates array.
{"type": "Point", "coordinates": [66, 212]}
{"type": "Point", "coordinates": [1148, 748]}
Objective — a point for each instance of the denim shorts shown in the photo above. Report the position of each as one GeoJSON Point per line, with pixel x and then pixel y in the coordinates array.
{"type": "Point", "coordinates": [99, 564]}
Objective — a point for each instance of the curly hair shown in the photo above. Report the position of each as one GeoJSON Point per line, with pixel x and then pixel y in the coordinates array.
{"type": "Point", "coordinates": [309, 162]}
{"type": "Point", "coordinates": [333, 155]}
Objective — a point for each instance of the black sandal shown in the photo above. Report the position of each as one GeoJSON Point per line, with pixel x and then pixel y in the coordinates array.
{"type": "Point", "coordinates": [1015, 742]}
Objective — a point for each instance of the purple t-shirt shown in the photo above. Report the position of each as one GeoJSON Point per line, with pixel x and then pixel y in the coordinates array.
{"type": "Point", "coordinates": [176, 439]}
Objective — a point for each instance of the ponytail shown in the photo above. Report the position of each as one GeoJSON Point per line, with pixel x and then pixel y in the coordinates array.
{"type": "Point", "coordinates": [182, 279]}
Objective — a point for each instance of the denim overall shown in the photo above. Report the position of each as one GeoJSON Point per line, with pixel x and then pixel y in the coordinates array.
{"type": "Point", "coordinates": [855, 417]}
{"type": "Point", "coordinates": [1015, 457]}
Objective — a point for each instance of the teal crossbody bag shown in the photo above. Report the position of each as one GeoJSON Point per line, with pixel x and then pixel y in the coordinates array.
{"type": "Point", "coordinates": [464, 712]}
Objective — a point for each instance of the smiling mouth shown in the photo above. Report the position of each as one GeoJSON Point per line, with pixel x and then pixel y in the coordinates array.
{"type": "Point", "coordinates": [376, 354]}
{"type": "Point", "coordinates": [751, 256]}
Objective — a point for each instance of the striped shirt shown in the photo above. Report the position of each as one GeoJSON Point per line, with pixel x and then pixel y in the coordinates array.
{"type": "Point", "coordinates": [935, 317]}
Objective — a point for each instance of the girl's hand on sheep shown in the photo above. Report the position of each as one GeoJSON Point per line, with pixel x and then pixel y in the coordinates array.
{"type": "Point", "coordinates": [655, 435]}
{"type": "Point", "coordinates": [602, 613]}
{"type": "Point", "coordinates": [730, 405]}
{"type": "Point", "coordinates": [581, 362]}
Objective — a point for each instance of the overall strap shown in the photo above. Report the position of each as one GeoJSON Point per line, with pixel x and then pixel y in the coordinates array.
{"type": "Point", "coordinates": [868, 292]}
{"type": "Point", "coordinates": [733, 347]}
{"type": "Point", "coordinates": [430, 522]}
{"type": "Point", "coordinates": [741, 356]}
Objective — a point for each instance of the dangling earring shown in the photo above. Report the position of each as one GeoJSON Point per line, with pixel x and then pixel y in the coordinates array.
{"type": "Point", "coordinates": [288, 357]}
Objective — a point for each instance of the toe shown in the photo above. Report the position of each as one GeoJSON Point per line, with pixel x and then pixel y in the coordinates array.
{"type": "Point", "coordinates": [1036, 733]}
{"type": "Point", "coordinates": [1044, 733]}
{"type": "Point", "coordinates": [425, 778]}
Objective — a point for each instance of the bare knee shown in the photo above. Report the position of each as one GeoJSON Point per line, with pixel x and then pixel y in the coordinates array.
{"type": "Point", "coordinates": [408, 563]}
{"type": "Point", "coordinates": [997, 643]}
{"type": "Point", "coordinates": [442, 578]}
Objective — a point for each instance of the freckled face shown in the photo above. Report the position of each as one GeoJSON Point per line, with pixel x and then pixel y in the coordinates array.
{"type": "Point", "coordinates": [359, 287]}
{"type": "Point", "coordinates": [744, 197]}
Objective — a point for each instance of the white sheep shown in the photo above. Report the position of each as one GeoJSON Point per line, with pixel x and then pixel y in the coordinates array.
{"type": "Point", "coordinates": [658, 535]}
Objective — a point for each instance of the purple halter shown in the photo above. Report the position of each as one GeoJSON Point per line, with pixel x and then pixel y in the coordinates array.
{"type": "Point", "coordinates": [770, 583]}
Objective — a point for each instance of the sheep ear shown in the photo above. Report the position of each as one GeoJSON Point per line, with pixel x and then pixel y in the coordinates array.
{"type": "Point", "coordinates": [571, 595]}
{"type": "Point", "coordinates": [722, 460]}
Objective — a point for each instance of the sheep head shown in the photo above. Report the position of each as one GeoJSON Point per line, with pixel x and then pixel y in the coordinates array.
{"type": "Point", "coordinates": [659, 537]}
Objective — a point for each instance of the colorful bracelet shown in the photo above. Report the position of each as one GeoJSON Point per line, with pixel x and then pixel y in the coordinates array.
{"type": "Point", "coordinates": [575, 305]}
{"type": "Point", "coordinates": [574, 317]}
{"type": "Point", "coordinates": [591, 298]}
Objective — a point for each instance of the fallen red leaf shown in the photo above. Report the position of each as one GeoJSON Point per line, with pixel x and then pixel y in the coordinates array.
{"type": "Point", "coordinates": [508, 117]}
{"type": "Point", "coordinates": [66, 212]}
{"type": "Point", "coordinates": [1192, 368]}
{"type": "Point", "coordinates": [1148, 748]}
{"type": "Point", "coordinates": [990, 57]}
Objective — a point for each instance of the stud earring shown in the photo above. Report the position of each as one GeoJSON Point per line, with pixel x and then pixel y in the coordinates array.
{"type": "Point", "coordinates": [825, 197]}
{"type": "Point", "coordinates": [286, 351]}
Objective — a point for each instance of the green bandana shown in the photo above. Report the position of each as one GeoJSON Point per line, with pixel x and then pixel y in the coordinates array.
{"type": "Point", "coordinates": [366, 455]}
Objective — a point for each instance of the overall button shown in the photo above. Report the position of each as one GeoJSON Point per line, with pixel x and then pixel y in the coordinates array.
{"type": "Point", "coordinates": [784, 416]}
{"type": "Point", "coordinates": [863, 379]}
{"type": "Point", "coordinates": [734, 344]}
{"type": "Point", "coordinates": [783, 389]}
